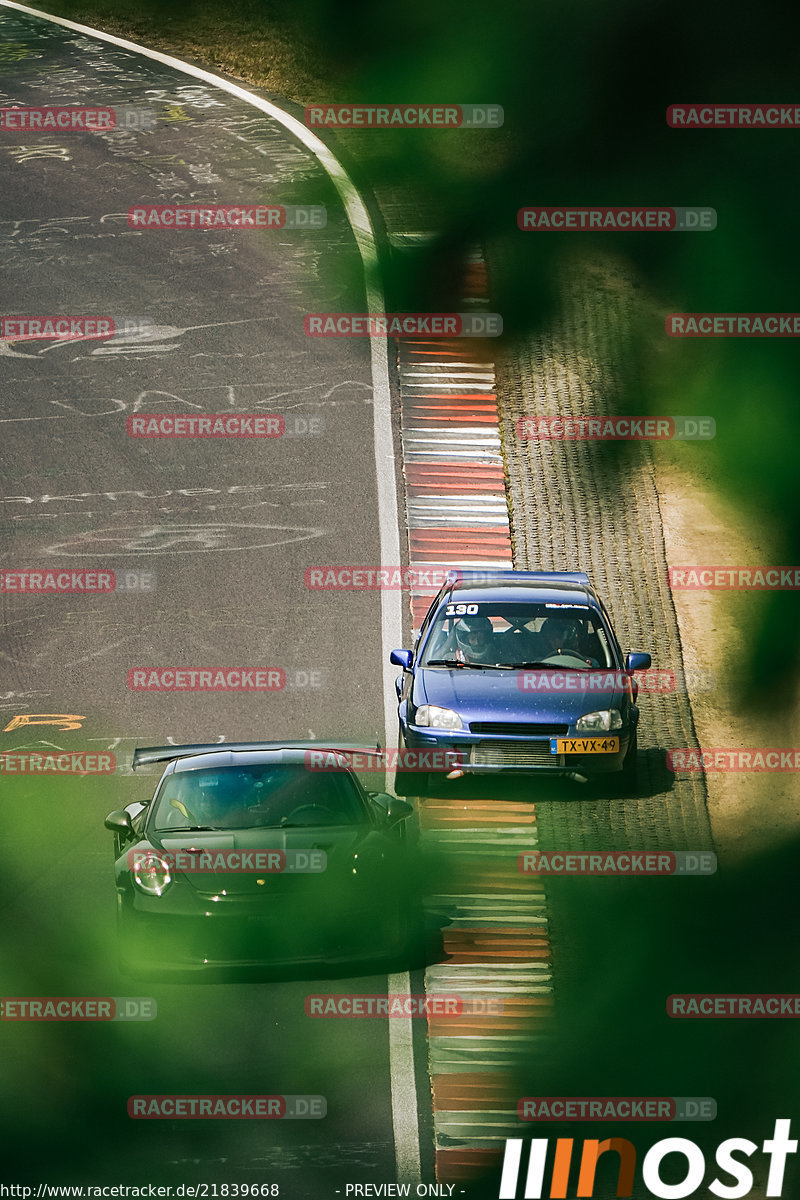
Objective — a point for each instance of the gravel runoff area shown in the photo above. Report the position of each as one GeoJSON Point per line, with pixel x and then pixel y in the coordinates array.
{"type": "Point", "coordinates": [593, 506]}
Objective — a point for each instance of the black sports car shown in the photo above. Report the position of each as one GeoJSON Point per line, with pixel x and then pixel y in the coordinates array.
{"type": "Point", "coordinates": [248, 855]}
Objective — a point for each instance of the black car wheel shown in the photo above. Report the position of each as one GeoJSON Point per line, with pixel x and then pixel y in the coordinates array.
{"type": "Point", "coordinates": [404, 939]}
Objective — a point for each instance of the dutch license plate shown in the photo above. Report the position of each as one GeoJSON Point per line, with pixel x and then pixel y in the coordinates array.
{"type": "Point", "coordinates": [590, 745]}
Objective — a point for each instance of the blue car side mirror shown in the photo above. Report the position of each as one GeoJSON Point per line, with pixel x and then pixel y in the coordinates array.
{"type": "Point", "coordinates": [636, 661]}
{"type": "Point", "coordinates": [401, 658]}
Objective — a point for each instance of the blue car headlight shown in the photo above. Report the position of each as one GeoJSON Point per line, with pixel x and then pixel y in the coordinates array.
{"type": "Point", "coordinates": [604, 719]}
{"type": "Point", "coordinates": [433, 717]}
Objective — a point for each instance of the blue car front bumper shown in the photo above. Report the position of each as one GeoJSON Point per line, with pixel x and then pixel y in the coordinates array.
{"type": "Point", "coordinates": [488, 754]}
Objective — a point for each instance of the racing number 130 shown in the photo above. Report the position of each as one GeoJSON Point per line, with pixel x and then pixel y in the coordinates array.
{"type": "Point", "coordinates": [461, 610]}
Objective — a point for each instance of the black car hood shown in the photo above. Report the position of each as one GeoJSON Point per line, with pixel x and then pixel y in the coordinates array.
{"type": "Point", "coordinates": [339, 844]}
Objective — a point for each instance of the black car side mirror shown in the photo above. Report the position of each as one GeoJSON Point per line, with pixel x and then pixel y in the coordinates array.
{"type": "Point", "coordinates": [393, 807]}
{"type": "Point", "coordinates": [398, 810]}
{"type": "Point", "coordinates": [119, 821]}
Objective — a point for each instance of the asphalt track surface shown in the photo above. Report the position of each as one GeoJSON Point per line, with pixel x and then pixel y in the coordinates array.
{"type": "Point", "coordinates": [226, 528]}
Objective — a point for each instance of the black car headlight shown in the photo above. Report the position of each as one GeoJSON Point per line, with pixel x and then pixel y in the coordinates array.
{"type": "Point", "coordinates": [152, 873]}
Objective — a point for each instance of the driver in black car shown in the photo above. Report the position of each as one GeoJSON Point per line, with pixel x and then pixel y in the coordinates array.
{"type": "Point", "coordinates": [218, 801]}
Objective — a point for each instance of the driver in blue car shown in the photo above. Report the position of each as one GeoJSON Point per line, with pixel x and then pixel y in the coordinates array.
{"type": "Point", "coordinates": [559, 636]}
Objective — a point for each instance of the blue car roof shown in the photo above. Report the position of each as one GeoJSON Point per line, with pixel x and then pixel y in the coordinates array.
{"type": "Point", "coordinates": [520, 586]}
{"type": "Point", "coordinates": [502, 577]}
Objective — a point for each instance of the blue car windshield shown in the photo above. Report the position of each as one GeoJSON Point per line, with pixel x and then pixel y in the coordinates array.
{"type": "Point", "coordinates": [493, 634]}
{"type": "Point", "coordinates": [282, 795]}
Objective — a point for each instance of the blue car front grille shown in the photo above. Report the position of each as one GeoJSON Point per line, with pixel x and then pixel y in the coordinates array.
{"type": "Point", "coordinates": [515, 754]}
{"type": "Point", "coordinates": [519, 728]}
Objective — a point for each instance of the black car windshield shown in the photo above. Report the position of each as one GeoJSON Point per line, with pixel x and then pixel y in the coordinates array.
{"type": "Point", "coordinates": [490, 633]}
{"type": "Point", "coordinates": [283, 795]}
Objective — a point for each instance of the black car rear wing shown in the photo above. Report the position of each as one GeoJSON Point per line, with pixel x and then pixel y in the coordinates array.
{"type": "Point", "coordinates": [155, 754]}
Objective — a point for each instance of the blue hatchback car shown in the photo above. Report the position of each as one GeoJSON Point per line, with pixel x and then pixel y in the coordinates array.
{"type": "Point", "coordinates": [518, 671]}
